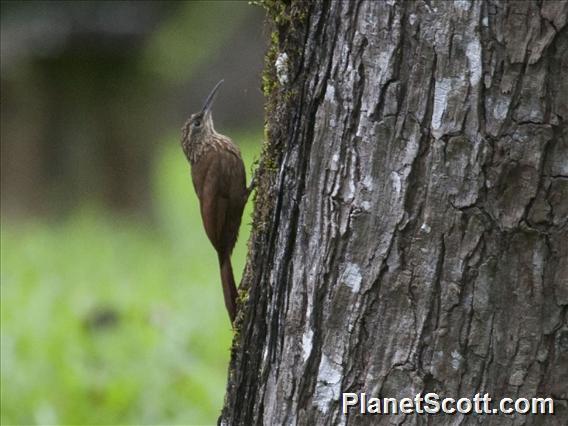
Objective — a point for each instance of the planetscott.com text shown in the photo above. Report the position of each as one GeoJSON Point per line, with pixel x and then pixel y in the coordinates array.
{"type": "Point", "coordinates": [432, 403]}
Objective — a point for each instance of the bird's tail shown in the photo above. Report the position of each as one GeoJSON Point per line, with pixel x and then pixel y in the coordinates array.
{"type": "Point", "coordinates": [229, 287]}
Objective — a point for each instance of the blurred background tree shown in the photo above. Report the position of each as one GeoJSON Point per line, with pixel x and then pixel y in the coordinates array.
{"type": "Point", "coordinates": [88, 88]}
{"type": "Point", "coordinates": [111, 302]}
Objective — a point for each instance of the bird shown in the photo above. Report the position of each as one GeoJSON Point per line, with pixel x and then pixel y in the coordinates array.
{"type": "Point", "coordinates": [219, 179]}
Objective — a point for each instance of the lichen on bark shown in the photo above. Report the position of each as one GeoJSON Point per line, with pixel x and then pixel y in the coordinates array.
{"type": "Point", "coordinates": [412, 224]}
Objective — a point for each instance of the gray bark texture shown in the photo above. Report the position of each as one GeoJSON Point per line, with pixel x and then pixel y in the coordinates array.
{"type": "Point", "coordinates": [410, 229]}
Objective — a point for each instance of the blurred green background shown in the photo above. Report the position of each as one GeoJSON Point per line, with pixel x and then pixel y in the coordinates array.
{"type": "Point", "coordinates": [111, 303]}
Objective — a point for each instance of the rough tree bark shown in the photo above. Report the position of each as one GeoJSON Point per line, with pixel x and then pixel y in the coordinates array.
{"type": "Point", "coordinates": [410, 230]}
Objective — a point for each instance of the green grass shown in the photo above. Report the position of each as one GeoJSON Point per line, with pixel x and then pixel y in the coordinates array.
{"type": "Point", "coordinates": [110, 320]}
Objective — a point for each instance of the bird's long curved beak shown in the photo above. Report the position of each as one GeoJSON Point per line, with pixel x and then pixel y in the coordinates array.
{"type": "Point", "coordinates": [209, 101]}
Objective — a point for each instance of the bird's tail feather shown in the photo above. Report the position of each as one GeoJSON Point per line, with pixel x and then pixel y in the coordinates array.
{"type": "Point", "coordinates": [229, 287]}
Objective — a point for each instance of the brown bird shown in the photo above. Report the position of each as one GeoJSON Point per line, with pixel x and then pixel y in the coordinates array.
{"type": "Point", "coordinates": [219, 179]}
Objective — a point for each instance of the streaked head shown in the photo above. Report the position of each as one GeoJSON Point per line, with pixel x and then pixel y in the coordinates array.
{"type": "Point", "coordinates": [200, 123]}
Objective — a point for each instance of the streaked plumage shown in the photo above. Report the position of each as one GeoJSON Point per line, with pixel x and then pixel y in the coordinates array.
{"type": "Point", "coordinates": [219, 179]}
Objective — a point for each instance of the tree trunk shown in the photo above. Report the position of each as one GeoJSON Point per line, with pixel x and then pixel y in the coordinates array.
{"type": "Point", "coordinates": [410, 229]}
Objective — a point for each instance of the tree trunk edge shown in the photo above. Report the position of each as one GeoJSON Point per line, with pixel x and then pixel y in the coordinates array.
{"type": "Point", "coordinates": [285, 22]}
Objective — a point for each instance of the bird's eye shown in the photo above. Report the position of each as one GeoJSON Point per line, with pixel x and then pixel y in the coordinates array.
{"type": "Point", "coordinates": [197, 123]}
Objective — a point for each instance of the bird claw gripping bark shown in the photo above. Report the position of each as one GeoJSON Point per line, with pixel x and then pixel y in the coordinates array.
{"type": "Point", "coordinates": [253, 182]}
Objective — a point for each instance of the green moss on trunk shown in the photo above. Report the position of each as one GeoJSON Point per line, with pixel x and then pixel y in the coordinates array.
{"type": "Point", "coordinates": [286, 21]}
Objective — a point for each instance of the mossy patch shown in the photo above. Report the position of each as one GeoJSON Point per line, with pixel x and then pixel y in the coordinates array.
{"type": "Point", "coordinates": [286, 21]}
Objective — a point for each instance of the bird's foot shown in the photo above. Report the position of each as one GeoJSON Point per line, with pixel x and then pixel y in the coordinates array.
{"type": "Point", "coordinates": [253, 182]}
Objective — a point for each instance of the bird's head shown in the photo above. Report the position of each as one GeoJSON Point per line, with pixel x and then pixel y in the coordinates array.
{"type": "Point", "coordinates": [200, 124]}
